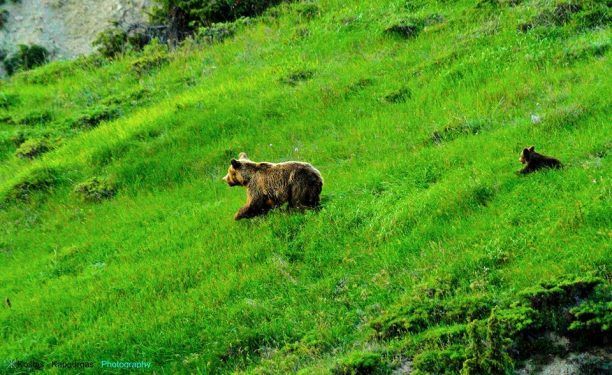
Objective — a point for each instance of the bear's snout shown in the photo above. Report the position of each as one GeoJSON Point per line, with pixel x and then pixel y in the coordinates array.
{"type": "Point", "coordinates": [229, 180]}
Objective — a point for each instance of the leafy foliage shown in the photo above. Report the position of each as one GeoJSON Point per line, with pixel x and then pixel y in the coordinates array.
{"type": "Point", "coordinates": [27, 57]}
{"type": "Point", "coordinates": [32, 148]}
{"type": "Point", "coordinates": [187, 16]}
{"type": "Point", "coordinates": [96, 189]}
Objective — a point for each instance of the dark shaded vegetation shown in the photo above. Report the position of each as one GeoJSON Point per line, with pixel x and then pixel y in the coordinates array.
{"type": "Point", "coordinates": [96, 189]}
{"type": "Point", "coordinates": [398, 96]}
{"type": "Point", "coordinates": [453, 131]}
{"type": "Point", "coordinates": [8, 100]}
{"type": "Point", "coordinates": [361, 363]}
{"type": "Point", "coordinates": [293, 78]}
{"type": "Point", "coordinates": [36, 180]}
{"type": "Point", "coordinates": [405, 28]}
{"type": "Point", "coordinates": [27, 57]}
{"type": "Point", "coordinates": [219, 31]}
{"type": "Point", "coordinates": [116, 41]}
{"type": "Point", "coordinates": [32, 148]}
{"type": "Point", "coordinates": [184, 17]}
{"type": "Point", "coordinates": [37, 117]}
{"type": "Point", "coordinates": [410, 27]}
{"type": "Point", "coordinates": [500, 335]}
{"type": "Point", "coordinates": [94, 116]}
{"type": "Point", "coordinates": [581, 15]}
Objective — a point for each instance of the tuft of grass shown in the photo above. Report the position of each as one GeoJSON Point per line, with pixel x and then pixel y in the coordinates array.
{"type": "Point", "coordinates": [96, 189]}
{"type": "Point", "coordinates": [358, 363]}
{"type": "Point", "coordinates": [94, 116]}
{"type": "Point", "coordinates": [295, 77]}
{"type": "Point", "coordinates": [32, 148]}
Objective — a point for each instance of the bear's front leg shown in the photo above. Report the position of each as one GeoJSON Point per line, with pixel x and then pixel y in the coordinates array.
{"type": "Point", "coordinates": [250, 210]}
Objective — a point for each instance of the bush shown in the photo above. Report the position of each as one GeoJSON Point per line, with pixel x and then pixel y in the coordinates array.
{"type": "Point", "coordinates": [405, 29]}
{"type": "Point", "coordinates": [26, 58]}
{"type": "Point", "coordinates": [94, 116]}
{"type": "Point", "coordinates": [96, 189]}
{"type": "Point", "coordinates": [35, 118]}
{"type": "Point", "coordinates": [112, 42]}
{"type": "Point", "coordinates": [488, 348]}
{"type": "Point", "coordinates": [4, 14]}
{"type": "Point", "coordinates": [154, 56]}
{"type": "Point", "coordinates": [582, 15]}
{"type": "Point", "coordinates": [411, 27]}
{"type": "Point", "coordinates": [183, 17]}
{"type": "Point", "coordinates": [218, 32]}
{"type": "Point", "coordinates": [39, 179]}
{"type": "Point", "coordinates": [32, 148]}
{"type": "Point", "coordinates": [455, 130]}
{"type": "Point", "coordinates": [358, 363]}
{"type": "Point", "coordinates": [398, 96]}
{"type": "Point", "coordinates": [115, 41]}
{"type": "Point", "coordinates": [447, 361]}
{"type": "Point", "coordinates": [293, 78]}
{"type": "Point", "coordinates": [8, 100]}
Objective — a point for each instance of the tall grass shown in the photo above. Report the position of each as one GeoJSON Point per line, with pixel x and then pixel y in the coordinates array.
{"type": "Point", "coordinates": [420, 192]}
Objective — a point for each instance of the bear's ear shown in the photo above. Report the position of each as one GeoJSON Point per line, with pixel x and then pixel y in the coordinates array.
{"type": "Point", "coordinates": [243, 155]}
{"type": "Point", "coordinates": [235, 163]}
{"type": "Point", "coordinates": [531, 149]}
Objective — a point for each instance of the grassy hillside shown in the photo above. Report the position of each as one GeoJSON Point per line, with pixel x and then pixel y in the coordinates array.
{"type": "Point", "coordinates": [429, 251]}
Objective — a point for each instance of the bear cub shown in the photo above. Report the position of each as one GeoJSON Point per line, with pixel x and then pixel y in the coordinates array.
{"type": "Point", "coordinates": [270, 185]}
{"type": "Point", "coordinates": [535, 161]}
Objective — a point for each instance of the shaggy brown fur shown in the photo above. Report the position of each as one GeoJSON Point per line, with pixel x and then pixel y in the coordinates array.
{"type": "Point", "coordinates": [270, 185]}
{"type": "Point", "coordinates": [535, 161]}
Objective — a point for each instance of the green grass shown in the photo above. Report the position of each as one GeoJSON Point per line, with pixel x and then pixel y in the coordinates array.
{"type": "Point", "coordinates": [417, 138]}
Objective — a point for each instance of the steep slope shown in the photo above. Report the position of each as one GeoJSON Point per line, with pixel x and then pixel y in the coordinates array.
{"type": "Point", "coordinates": [415, 112]}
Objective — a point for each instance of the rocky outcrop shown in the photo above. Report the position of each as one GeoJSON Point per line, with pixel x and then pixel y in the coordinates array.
{"type": "Point", "coordinates": [66, 28]}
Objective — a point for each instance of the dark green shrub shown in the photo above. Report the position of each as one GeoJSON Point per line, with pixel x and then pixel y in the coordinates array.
{"type": "Point", "coordinates": [446, 361]}
{"type": "Point", "coordinates": [4, 15]}
{"type": "Point", "coordinates": [498, 3]}
{"type": "Point", "coordinates": [405, 28]}
{"type": "Point", "coordinates": [183, 17]}
{"type": "Point", "coordinates": [358, 86]}
{"type": "Point", "coordinates": [307, 10]}
{"type": "Point", "coordinates": [147, 63]}
{"type": "Point", "coordinates": [293, 78]}
{"type": "Point", "coordinates": [398, 96]}
{"type": "Point", "coordinates": [8, 100]}
{"type": "Point", "coordinates": [593, 318]}
{"type": "Point", "coordinates": [37, 180]}
{"type": "Point", "coordinates": [422, 314]}
{"type": "Point", "coordinates": [18, 138]}
{"type": "Point", "coordinates": [116, 41]}
{"type": "Point", "coordinates": [596, 15]}
{"type": "Point", "coordinates": [127, 98]}
{"type": "Point", "coordinates": [411, 27]}
{"type": "Point", "coordinates": [453, 131]}
{"type": "Point", "coordinates": [581, 15]}
{"type": "Point", "coordinates": [26, 58]}
{"type": "Point", "coordinates": [218, 32]}
{"type": "Point", "coordinates": [32, 148]}
{"type": "Point", "coordinates": [35, 118]}
{"type": "Point", "coordinates": [94, 116]}
{"type": "Point", "coordinates": [111, 42]}
{"type": "Point", "coordinates": [358, 363]}
{"type": "Point", "coordinates": [96, 189]}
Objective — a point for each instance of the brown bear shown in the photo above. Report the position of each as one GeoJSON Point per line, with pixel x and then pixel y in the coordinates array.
{"type": "Point", "coordinates": [535, 161]}
{"type": "Point", "coordinates": [270, 185]}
